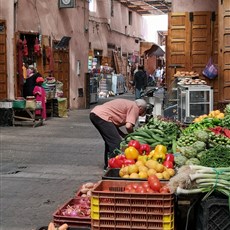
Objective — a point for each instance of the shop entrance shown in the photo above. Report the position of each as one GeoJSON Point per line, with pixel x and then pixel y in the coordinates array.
{"type": "Point", "coordinates": [97, 58]}
{"type": "Point", "coordinates": [61, 68]}
{"type": "Point", "coordinates": [29, 54]}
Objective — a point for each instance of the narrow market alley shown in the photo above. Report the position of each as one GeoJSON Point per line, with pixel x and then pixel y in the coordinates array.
{"type": "Point", "coordinates": [42, 167]}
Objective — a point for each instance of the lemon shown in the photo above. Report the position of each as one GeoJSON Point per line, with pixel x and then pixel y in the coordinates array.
{"type": "Point", "coordinates": [159, 176]}
{"type": "Point", "coordinates": [133, 169]}
{"type": "Point", "coordinates": [166, 175]}
{"type": "Point", "coordinates": [151, 164]}
{"type": "Point", "coordinates": [143, 175]}
{"type": "Point", "coordinates": [151, 172]}
{"type": "Point", "coordinates": [134, 175]}
{"type": "Point", "coordinates": [143, 168]}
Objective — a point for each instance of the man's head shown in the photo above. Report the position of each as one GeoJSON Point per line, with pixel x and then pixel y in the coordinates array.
{"type": "Point", "coordinates": [142, 104]}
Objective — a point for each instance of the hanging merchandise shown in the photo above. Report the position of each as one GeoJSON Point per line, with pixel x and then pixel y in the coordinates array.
{"type": "Point", "coordinates": [37, 47]}
{"type": "Point", "coordinates": [49, 56]}
{"type": "Point", "coordinates": [20, 52]}
{"type": "Point", "coordinates": [210, 71]}
{"type": "Point", "coordinates": [25, 47]}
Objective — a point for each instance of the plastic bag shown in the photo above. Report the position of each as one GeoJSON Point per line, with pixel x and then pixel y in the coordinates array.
{"type": "Point", "coordinates": [210, 71]}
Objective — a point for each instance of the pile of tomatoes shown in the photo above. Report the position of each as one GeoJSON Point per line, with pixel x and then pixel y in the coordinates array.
{"type": "Point", "coordinates": [153, 185]}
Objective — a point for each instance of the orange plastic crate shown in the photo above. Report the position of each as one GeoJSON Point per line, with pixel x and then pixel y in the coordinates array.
{"type": "Point", "coordinates": [72, 221]}
{"type": "Point", "coordinates": [112, 208]}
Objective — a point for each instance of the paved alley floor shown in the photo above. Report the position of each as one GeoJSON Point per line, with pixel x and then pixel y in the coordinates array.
{"type": "Point", "coordinates": [42, 167]}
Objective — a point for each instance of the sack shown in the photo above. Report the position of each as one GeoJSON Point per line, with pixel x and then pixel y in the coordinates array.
{"type": "Point", "coordinates": [210, 71]}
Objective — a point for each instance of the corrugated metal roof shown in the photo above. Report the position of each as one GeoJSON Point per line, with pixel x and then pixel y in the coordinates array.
{"type": "Point", "coordinates": [148, 7]}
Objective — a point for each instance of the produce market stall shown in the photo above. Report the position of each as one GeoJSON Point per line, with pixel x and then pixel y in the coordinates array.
{"type": "Point", "coordinates": [166, 176]}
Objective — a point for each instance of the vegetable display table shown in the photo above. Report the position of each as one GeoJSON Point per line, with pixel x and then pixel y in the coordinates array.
{"type": "Point", "coordinates": [27, 116]}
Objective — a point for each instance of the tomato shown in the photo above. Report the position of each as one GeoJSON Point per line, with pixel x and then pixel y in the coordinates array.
{"type": "Point", "coordinates": [136, 144]}
{"type": "Point", "coordinates": [131, 153]}
{"type": "Point", "coordinates": [154, 183]}
{"type": "Point", "coordinates": [132, 190]}
{"type": "Point", "coordinates": [164, 189]}
{"type": "Point", "coordinates": [145, 185]}
{"type": "Point", "coordinates": [140, 189]}
{"type": "Point", "coordinates": [168, 164]}
{"type": "Point", "coordinates": [160, 149]}
{"type": "Point", "coordinates": [128, 188]}
{"type": "Point", "coordinates": [149, 190]}
{"type": "Point", "coordinates": [135, 185]}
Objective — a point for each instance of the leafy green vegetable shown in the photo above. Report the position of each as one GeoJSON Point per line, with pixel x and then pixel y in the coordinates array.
{"type": "Point", "coordinates": [227, 109]}
{"type": "Point", "coordinates": [219, 156]}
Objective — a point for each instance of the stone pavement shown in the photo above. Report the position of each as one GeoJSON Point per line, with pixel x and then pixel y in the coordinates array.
{"type": "Point", "coordinates": [42, 167]}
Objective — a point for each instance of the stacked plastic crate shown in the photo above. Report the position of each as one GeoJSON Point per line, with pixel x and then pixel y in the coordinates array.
{"type": "Point", "coordinates": [112, 208]}
{"type": "Point", "coordinates": [213, 214]}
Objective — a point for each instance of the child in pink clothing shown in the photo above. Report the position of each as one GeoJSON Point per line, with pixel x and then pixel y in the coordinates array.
{"type": "Point", "coordinates": [40, 95]}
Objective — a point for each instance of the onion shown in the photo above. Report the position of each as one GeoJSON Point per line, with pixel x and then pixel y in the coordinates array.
{"type": "Point", "coordinates": [73, 213]}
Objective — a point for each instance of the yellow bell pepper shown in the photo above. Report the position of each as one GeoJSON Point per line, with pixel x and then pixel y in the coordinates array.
{"type": "Point", "coordinates": [159, 156]}
{"type": "Point", "coordinates": [160, 148]}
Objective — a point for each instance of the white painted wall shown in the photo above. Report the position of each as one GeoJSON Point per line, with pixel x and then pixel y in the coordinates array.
{"type": "Point", "coordinates": [152, 24]}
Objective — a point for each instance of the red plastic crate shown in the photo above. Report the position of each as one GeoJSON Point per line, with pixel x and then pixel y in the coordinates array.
{"type": "Point", "coordinates": [112, 208]}
{"type": "Point", "coordinates": [72, 221]}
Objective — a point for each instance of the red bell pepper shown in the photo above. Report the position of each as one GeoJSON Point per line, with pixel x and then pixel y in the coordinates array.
{"type": "Point", "coordinates": [144, 149]}
{"type": "Point", "coordinates": [127, 162]}
{"type": "Point", "coordinates": [119, 161]}
{"type": "Point", "coordinates": [136, 144]}
{"type": "Point", "coordinates": [226, 132]}
{"type": "Point", "coordinates": [168, 164]}
{"type": "Point", "coordinates": [169, 157]}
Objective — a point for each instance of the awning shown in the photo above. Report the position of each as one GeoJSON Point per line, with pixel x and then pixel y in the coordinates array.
{"type": "Point", "coordinates": [155, 50]}
{"type": "Point", "coordinates": [63, 43]}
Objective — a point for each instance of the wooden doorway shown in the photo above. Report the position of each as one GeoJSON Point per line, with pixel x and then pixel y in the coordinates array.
{"type": "Point", "coordinates": [3, 63]}
{"type": "Point", "coordinates": [61, 69]}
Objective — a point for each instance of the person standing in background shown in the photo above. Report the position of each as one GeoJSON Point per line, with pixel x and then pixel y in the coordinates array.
{"type": "Point", "coordinates": [158, 76]}
{"type": "Point", "coordinates": [140, 81]}
{"type": "Point", "coordinates": [40, 95]}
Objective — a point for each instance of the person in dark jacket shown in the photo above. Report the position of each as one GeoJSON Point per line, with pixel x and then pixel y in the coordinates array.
{"type": "Point", "coordinates": [30, 83]}
{"type": "Point", "coordinates": [140, 81]}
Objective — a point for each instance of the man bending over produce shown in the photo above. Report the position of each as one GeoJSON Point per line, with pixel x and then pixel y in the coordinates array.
{"type": "Point", "coordinates": [109, 117]}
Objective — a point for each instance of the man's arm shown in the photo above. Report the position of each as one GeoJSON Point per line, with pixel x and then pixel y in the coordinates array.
{"type": "Point", "coordinates": [129, 127]}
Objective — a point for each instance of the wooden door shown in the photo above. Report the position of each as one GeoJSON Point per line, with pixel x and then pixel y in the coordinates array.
{"type": "Point", "coordinates": [192, 40]}
{"type": "Point", "coordinates": [61, 69]}
{"type": "Point", "coordinates": [177, 44]}
{"type": "Point", "coordinates": [224, 51]}
{"type": "Point", "coordinates": [3, 62]}
{"type": "Point", "coordinates": [203, 45]}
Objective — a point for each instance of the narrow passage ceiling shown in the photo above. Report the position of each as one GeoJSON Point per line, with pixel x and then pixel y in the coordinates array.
{"type": "Point", "coordinates": [148, 7]}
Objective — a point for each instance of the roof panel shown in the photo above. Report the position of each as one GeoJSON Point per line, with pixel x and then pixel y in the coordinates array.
{"type": "Point", "coordinates": [148, 7]}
